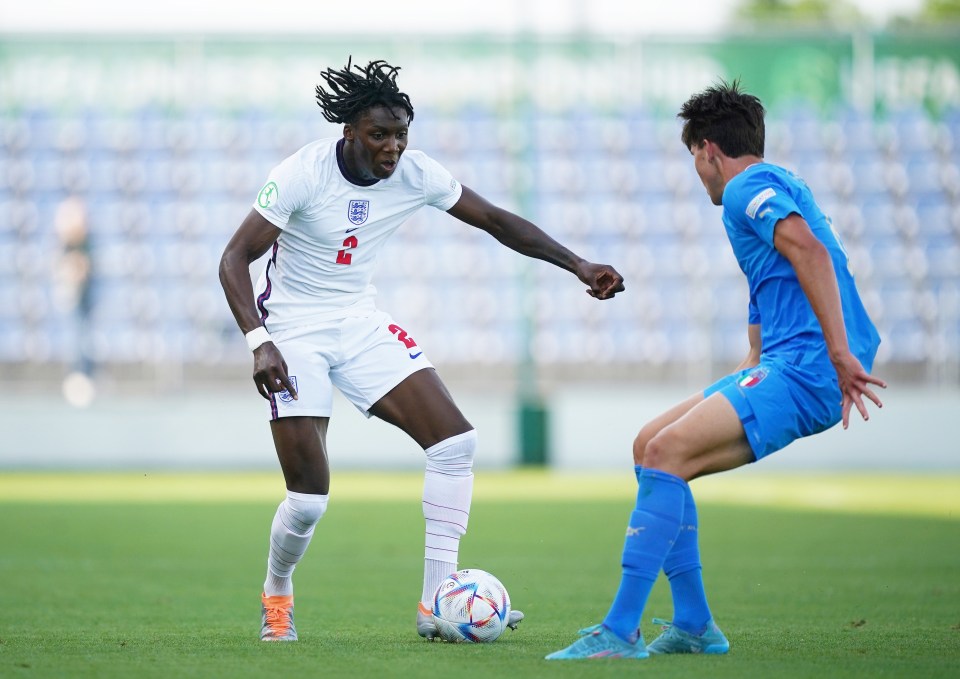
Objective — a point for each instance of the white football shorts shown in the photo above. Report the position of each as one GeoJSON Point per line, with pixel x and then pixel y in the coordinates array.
{"type": "Point", "coordinates": [362, 357]}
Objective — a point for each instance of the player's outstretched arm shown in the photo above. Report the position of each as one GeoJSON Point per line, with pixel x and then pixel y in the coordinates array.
{"type": "Point", "coordinates": [753, 355]}
{"type": "Point", "coordinates": [811, 261]}
{"type": "Point", "coordinates": [528, 239]}
{"type": "Point", "coordinates": [249, 243]}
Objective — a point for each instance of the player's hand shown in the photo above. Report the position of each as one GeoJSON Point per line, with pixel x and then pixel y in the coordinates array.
{"type": "Point", "coordinates": [603, 279]}
{"type": "Point", "coordinates": [270, 371]}
{"type": "Point", "coordinates": [854, 384]}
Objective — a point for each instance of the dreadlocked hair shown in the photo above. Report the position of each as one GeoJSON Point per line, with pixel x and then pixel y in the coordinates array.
{"type": "Point", "coordinates": [727, 116]}
{"type": "Point", "coordinates": [351, 92]}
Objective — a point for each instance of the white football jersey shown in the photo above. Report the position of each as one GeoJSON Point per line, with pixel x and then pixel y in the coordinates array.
{"type": "Point", "coordinates": [333, 230]}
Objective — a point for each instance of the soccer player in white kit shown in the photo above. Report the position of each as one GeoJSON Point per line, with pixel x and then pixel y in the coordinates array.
{"type": "Point", "coordinates": [312, 324]}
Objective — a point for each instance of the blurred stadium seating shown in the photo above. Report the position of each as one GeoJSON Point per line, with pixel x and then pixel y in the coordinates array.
{"type": "Point", "coordinates": [165, 190]}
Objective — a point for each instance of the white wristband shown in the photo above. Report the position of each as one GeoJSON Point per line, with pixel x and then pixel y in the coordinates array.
{"type": "Point", "coordinates": [257, 336]}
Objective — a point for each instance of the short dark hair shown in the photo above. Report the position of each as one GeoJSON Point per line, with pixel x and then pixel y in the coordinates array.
{"type": "Point", "coordinates": [727, 116]}
{"type": "Point", "coordinates": [354, 91]}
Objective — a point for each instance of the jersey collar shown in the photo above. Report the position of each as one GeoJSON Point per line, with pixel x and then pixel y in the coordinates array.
{"type": "Point", "coordinates": [346, 173]}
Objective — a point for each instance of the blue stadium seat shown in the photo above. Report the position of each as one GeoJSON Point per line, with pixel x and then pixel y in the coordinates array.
{"type": "Point", "coordinates": [15, 133]}
{"type": "Point", "coordinates": [942, 253]}
{"type": "Point", "coordinates": [644, 134]}
{"type": "Point", "coordinates": [857, 131]}
{"type": "Point", "coordinates": [908, 341]}
{"type": "Point", "coordinates": [166, 189]}
{"type": "Point", "coordinates": [924, 178]}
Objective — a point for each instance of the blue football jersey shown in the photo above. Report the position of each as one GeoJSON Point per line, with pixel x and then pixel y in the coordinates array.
{"type": "Point", "coordinates": [753, 202]}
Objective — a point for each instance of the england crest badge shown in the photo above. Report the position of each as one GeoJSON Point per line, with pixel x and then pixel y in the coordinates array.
{"type": "Point", "coordinates": [285, 395]}
{"type": "Point", "coordinates": [358, 211]}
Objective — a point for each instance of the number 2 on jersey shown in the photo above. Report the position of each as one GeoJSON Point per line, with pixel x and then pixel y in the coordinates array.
{"type": "Point", "coordinates": [344, 257]}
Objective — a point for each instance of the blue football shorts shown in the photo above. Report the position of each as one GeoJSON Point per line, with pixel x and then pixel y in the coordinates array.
{"type": "Point", "coordinates": [779, 402]}
{"type": "Point", "coordinates": [363, 357]}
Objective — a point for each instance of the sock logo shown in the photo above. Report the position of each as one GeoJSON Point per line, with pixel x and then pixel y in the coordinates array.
{"type": "Point", "coordinates": [634, 532]}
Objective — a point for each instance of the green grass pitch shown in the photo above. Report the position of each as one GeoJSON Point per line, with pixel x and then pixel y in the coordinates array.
{"type": "Point", "coordinates": [159, 576]}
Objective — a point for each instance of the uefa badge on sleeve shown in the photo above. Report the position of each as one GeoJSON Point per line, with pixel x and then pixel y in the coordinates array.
{"type": "Point", "coordinates": [268, 195]}
{"type": "Point", "coordinates": [285, 394]}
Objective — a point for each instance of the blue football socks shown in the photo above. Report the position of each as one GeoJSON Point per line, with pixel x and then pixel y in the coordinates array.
{"type": "Point", "coordinates": [682, 567]}
{"type": "Point", "coordinates": [652, 530]}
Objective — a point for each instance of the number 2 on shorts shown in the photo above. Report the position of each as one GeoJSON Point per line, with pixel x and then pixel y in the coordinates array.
{"type": "Point", "coordinates": [402, 335]}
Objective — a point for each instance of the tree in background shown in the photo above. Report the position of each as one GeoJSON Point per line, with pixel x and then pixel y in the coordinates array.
{"type": "Point", "coordinates": [841, 14]}
{"type": "Point", "coordinates": [932, 13]}
{"type": "Point", "coordinates": [831, 13]}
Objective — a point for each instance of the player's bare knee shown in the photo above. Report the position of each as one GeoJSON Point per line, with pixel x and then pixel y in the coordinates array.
{"type": "Point", "coordinates": [660, 452]}
{"type": "Point", "coordinates": [640, 443]}
{"type": "Point", "coordinates": [639, 448]}
{"type": "Point", "coordinates": [306, 475]}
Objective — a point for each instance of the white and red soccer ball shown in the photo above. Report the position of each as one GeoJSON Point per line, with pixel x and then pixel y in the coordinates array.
{"type": "Point", "coordinates": [471, 606]}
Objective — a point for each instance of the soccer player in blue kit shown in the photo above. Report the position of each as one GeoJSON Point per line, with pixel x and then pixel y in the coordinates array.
{"type": "Point", "coordinates": [812, 346]}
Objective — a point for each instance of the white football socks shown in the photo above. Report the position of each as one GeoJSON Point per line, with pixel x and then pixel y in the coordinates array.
{"type": "Point", "coordinates": [434, 573]}
{"type": "Point", "coordinates": [290, 534]}
{"type": "Point", "coordinates": [447, 490]}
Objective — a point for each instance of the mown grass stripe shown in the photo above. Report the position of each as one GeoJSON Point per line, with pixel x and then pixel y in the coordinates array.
{"type": "Point", "coordinates": [923, 495]}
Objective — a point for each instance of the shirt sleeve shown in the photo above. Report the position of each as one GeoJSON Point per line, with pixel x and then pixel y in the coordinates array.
{"type": "Point", "coordinates": [440, 188]}
{"type": "Point", "coordinates": [760, 203]}
{"type": "Point", "coordinates": [286, 191]}
{"type": "Point", "coordinates": [753, 312]}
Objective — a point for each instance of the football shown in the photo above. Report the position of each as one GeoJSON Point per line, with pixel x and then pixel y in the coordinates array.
{"type": "Point", "coordinates": [471, 606]}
